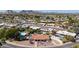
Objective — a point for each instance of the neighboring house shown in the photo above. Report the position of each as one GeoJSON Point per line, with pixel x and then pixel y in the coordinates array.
{"type": "Point", "coordinates": [43, 21]}
{"type": "Point", "coordinates": [55, 37]}
{"type": "Point", "coordinates": [56, 40]}
{"type": "Point", "coordinates": [41, 24]}
{"type": "Point", "coordinates": [23, 35]}
{"type": "Point", "coordinates": [46, 28]}
{"type": "Point", "coordinates": [50, 28]}
{"type": "Point", "coordinates": [49, 20]}
{"type": "Point", "coordinates": [34, 27]}
{"type": "Point", "coordinates": [7, 25]}
{"type": "Point", "coordinates": [30, 21]}
{"type": "Point", "coordinates": [50, 24]}
{"type": "Point", "coordinates": [1, 24]}
{"type": "Point", "coordinates": [40, 37]}
{"type": "Point", "coordinates": [24, 25]}
{"type": "Point", "coordinates": [66, 33]}
{"type": "Point", "coordinates": [61, 36]}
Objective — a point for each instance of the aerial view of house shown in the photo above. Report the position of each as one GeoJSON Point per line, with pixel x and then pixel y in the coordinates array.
{"type": "Point", "coordinates": [39, 29]}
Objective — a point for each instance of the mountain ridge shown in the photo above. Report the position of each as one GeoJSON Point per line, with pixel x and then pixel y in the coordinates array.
{"type": "Point", "coordinates": [40, 12]}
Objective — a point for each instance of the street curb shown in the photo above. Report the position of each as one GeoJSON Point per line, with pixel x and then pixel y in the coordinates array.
{"type": "Point", "coordinates": [8, 42]}
{"type": "Point", "coordinates": [63, 44]}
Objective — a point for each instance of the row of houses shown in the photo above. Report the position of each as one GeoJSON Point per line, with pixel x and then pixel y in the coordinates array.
{"type": "Point", "coordinates": [32, 25]}
{"type": "Point", "coordinates": [7, 25]}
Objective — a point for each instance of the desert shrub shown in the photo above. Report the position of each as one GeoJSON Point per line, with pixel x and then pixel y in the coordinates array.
{"type": "Point", "coordinates": [68, 38]}
{"type": "Point", "coordinates": [76, 46]}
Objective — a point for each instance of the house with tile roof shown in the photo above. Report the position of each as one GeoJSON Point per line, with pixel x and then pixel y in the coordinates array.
{"type": "Point", "coordinates": [40, 37]}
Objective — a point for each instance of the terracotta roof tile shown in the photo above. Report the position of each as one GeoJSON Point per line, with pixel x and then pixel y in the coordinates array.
{"type": "Point", "coordinates": [40, 37]}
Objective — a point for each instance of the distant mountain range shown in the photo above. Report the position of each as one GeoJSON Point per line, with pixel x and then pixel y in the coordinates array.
{"type": "Point", "coordinates": [19, 12]}
{"type": "Point", "coordinates": [39, 11]}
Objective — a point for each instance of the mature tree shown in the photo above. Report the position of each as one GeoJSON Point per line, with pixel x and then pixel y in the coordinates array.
{"type": "Point", "coordinates": [71, 20]}
{"type": "Point", "coordinates": [47, 17]}
{"type": "Point", "coordinates": [38, 31]}
{"type": "Point", "coordinates": [10, 33]}
{"type": "Point", "coordinates": [2, 33]}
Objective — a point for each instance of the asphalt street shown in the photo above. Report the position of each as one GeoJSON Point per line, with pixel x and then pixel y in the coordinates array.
{"type": "Point", "coordinates": [10, 46]}
{"type": "Point", "coordinates": [68, 45]}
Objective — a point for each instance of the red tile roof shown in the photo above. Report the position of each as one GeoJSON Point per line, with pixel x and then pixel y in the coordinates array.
{"type": "Point", "coordinates": [40, 37]}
